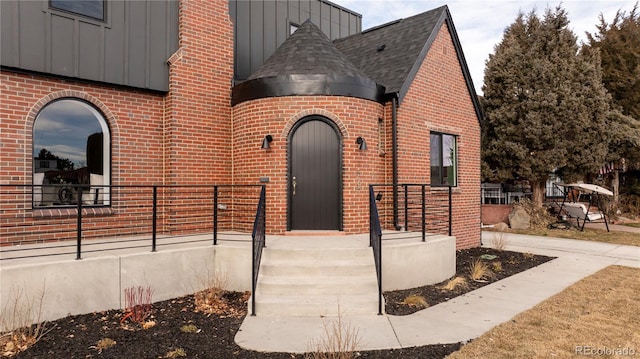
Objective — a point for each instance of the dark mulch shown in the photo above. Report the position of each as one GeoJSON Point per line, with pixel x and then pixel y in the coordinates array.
{"type": "Point", "coordinates": [78, 336]}
{"type": "Point", "coordinates": [510, 262]}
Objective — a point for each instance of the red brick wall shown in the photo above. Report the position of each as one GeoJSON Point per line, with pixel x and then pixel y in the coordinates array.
{"type": "Point", "coordinates": [192, 136]}
{"type": "Point", "coordinates": [438, 100]}
{"type": "Point", "coordinates": [198, 140]}
{"type": "Point", "coordinates": [183, 137]}
{"type": "Point", "coordinates": [354, 117]}
{"type": "Point", "coordinates": [135, 122]}
{"type": "Point", "coordinates": [134, 118]}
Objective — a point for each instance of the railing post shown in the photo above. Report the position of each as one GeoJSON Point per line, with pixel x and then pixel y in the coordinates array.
{"type": "Point", "coordinates": [396, 225]}
{"type": "Point", "coordinates": [258, 234]}
{"type": "Point", "coordinates": [215, 215]}
{"type": "Point", "coordinates": [424, 213]}
{"type": "Point", "coordinates": [264, 214]}
{"type": "Point", "coordinates": [154, 219]}
{"type": "Point", "coordinates": [375, 241]}
{"type": "Point", "coordinates": [79, 226]}
{"type": "Point", "coordinates": [406, 207]}
{"type": "Point", "coordinates": [450, 213]}
{"type": "Point", "coordinates": [253, 276]}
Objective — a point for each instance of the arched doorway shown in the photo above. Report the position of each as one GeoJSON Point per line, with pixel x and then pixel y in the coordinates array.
{"type": "Point", "coordinates": [315, 175]}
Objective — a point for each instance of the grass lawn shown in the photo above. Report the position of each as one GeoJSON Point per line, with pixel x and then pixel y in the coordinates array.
{"type": "Point", "coordinates": [589, 234]}
{"type": "Point", "coordinates": [632, 224]}
{"type": "Point", "coordinates": [597, 316]}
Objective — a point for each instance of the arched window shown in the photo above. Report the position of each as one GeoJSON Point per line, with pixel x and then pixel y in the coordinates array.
{"type": "Point", "coordinates": [70, 147]}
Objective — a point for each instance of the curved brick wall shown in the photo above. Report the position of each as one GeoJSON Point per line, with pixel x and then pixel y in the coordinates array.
{"type": "Point", "coordinates": [354, 117]}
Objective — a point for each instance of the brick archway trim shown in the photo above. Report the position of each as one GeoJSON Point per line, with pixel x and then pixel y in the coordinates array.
{"type": "Point", "coordinates": [314, 112]}
{"type": "Point", "coordinates": [35, 109]}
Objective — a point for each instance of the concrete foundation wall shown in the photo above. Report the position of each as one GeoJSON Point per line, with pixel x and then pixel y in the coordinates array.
{"type": "Point", "coordinates": [416, 264]}
{"type": "Point", "coordinates": [95, 284]}
{"type": "Point", "coordinates": [62, 287]}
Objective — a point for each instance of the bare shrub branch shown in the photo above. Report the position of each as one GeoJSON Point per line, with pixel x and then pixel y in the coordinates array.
{"type": "Point", "coordinates": [340, 341]}
{"type": "Point", "coordinates": [137, 303]}
{"type": "Point", "coordinates": [21, 318]}
{"type": "Point", "coordinates": [499, 241]}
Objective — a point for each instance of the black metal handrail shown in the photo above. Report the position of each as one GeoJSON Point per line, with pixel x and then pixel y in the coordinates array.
{"type": "Point", "coordinates": [424, 208]}
{"type": "Point", "coordinates": [421, 208]}
{"type": "Point", "coordinates": [375, 241]}
{"type": "Point", "coordinates": [122, 217]}
{"type": "Point", "coordinates": [258, 243]}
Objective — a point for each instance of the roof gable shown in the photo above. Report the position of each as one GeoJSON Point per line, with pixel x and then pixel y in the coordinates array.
{"type": "Point", "coordinates": [391, 54]}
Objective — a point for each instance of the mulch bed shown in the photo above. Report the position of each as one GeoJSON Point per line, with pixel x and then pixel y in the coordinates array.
{"type": "Point", "coordinates": [212, 335]}
{"type": "Point", "coordinates": [509, 262]}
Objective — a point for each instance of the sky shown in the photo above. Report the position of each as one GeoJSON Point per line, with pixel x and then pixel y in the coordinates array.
{"type": "Point", "coordinates": [480, 24]}
{"type": "Point", "coordinates": [63, 128]}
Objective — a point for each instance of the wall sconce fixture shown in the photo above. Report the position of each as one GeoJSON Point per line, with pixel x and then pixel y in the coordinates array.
{"type": "Point", "coordinates": [266, 143]}
{"type": "Point", "coordinates": [362, 144]}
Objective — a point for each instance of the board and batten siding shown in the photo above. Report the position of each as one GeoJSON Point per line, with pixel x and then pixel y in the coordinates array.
{"type": "Point", "coordinates": [260, 27]}
{"type": "Point", "coordinates": [130, 47]}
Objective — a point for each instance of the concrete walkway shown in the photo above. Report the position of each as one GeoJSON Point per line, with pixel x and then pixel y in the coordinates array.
{"type": "Point", "coordinates": [460, 319]}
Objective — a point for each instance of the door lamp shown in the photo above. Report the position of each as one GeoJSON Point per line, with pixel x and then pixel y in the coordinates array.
{"type": "Point", "coordinates": [362, 144]}
{"type": "Point", "coordinates": [266, 143]}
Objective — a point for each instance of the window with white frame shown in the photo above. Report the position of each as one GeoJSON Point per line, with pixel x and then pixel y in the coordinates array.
{"type": "Point", "coordinates": [71, 149]}
{"type": "Point", "coordinates": [443, 158]}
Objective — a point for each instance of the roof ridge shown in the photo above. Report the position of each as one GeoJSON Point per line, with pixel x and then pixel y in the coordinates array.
{"type": "Point", "coordinates": [308, 51]}
{"type": "Point", "coordinates": [388, 52]}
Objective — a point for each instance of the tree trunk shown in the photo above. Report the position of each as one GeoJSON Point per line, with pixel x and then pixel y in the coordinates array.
{"type": "Point", "coordinates": [615, 184]}
{"type": "Point", "coordinates": [538, 193]}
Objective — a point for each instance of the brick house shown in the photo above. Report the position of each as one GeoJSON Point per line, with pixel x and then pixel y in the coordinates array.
{"type": "Point", "coordinates": [136, 93]}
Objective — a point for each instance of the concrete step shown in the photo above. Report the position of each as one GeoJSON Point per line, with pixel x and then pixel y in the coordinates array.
{"type": "Point", "coordinates": [285, 285]}
{"type": "Point", "coordinates": [316, 305]}
{"type": "Point", "coordinates": [328, 269]}
{"type": "Point", "coordinates": [311, 281]}
{"type": "Point", "coordinates": [321, 255]}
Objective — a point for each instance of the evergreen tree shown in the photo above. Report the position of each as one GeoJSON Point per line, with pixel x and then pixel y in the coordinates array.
{"type": "Point", "coordinates": [618, 43]}
{"type": "Point", "coordinates": [545, 105]}
{"type": "Point", "coordinates": [619, 46]}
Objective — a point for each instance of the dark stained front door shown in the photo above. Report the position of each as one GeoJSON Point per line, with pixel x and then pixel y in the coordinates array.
{"type": "Point", "coordinates": [314, 181]}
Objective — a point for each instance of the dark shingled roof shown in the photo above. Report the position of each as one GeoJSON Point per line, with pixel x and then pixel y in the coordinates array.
{"type": "Point", "coordinates": [307, 51]}
{"type": "Point", "coordinates": [377, 64]}
{"type": "Point", "coordinates": [388, 53]}
{"type": "Point", "coordinates": [307, 63]}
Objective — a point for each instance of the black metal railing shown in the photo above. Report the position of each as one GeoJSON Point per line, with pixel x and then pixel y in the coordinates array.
{"type": "Point", "coordinates": [101, 218]}
{"type": "Point", "coordinates": [423, 209]}
{"type": "Point", "coordinates": [375, 241]}
{"type": "Point", "coordinates": [411, 210]}
{"type": "Point", "coordinates": [258, 243]}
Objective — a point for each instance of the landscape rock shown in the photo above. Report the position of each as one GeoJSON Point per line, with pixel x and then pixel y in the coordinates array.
{"type": "Point", "coordinates": [519, 219]}
{"type": "Point", "coordinates": [502, 227]}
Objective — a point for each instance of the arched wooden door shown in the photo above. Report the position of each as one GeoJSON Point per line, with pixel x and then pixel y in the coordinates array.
{"type": "Point", "coordinates": [315, 180]}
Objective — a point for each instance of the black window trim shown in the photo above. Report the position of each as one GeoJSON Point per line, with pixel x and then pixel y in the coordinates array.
{"type": "Point", "coordinates": [105, 22]}
{"type": "Point", "coordinates": [455, 181]}
{"type": "Point", "coordinates": [107, 203]}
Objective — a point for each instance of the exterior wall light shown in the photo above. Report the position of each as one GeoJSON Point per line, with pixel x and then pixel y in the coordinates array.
{"type": "Point", "coordinates": [362, 144]}
{"type": "Point", "coordinates": [266, 143]}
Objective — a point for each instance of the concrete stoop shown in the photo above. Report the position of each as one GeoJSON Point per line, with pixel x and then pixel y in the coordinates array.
{"type": "Point", "coordinates": [317, 282]}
